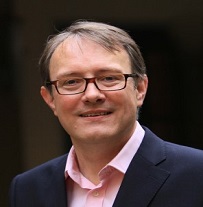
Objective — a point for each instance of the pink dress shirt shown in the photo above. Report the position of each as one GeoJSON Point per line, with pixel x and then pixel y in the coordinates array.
{"type": "Point", "coordinates": [83, 193]}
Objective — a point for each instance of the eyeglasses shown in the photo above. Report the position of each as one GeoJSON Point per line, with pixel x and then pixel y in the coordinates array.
{"type": "Point", "coordinates": [76, 85]}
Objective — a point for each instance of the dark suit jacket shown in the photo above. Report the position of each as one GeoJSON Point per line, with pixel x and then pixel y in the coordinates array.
{"type": "Point", "coordinates": [161, 174]}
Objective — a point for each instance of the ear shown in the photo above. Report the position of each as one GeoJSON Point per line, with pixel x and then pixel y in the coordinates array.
{"type": "Point", "coordinates": [141, 90]}
{"type": "Point", "coordinates": [48, 98]}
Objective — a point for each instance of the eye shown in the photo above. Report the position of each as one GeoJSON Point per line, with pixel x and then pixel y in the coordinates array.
{"type": "Point", "coordinates": [71, 82]}
{"type": "Point", "coordinates": [110, 78]}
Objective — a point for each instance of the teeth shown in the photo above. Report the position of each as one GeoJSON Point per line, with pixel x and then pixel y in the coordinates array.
{"type": "Point", "coordinates": [96, 114]}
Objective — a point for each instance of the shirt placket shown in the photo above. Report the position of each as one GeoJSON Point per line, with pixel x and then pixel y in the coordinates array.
{"type": "Point", "coordinates": [95, 197]}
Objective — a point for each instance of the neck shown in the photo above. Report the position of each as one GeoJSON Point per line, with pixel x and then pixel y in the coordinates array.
{"type": "Point", "coordinates": [92, 158]}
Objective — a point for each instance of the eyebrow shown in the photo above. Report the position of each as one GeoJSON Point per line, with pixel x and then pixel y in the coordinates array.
{"type": "Point", "coordinates": [100, 71]}
{"type": "Point", "coordinates": [66, 74]}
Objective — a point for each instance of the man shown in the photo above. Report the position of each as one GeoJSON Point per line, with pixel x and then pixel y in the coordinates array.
{"type": "Point", "coordinates": [94, 80]}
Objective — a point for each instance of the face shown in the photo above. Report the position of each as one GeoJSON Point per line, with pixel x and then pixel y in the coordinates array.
{"type": "Point", "coordinates": [94, 116]}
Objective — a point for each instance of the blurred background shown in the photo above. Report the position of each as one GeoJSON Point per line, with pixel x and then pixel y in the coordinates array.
{"type": "Point", "coordinates": [170, 37]}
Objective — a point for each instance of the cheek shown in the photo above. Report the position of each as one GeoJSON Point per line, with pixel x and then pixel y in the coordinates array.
{"type": "Point", "coordinates": [65, 105]}
{"type": "Point", "coordinates": [126, 102]}
{"type": "Point", "coordinates": [130, 106]}
{"type": "Point", "coordinates": [65, 110]}
{"type": "Point", "coordinates": [131, 98]}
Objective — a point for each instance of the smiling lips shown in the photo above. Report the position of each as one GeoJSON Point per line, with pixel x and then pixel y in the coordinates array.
{"type": "Point", "coordinates": [93, 114]}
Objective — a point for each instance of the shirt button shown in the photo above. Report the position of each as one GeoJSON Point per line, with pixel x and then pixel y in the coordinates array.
{"type": "Point", "coordinates": [95, 193]}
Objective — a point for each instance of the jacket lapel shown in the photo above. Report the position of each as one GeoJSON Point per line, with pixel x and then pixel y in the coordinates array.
{"type": "Point", "coordinates": [56, 187]}
{"type": "Point", "coordinates": [144, 177]}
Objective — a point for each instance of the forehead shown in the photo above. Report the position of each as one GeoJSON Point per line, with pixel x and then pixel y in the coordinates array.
{"type": "Point", "coordinates": [81, 55]}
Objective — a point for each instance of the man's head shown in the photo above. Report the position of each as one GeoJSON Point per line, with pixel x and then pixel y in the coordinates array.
{"type": "Point", "coordinates": [97, 55]}
{"type": "Point", "coordinates": [110, 37]}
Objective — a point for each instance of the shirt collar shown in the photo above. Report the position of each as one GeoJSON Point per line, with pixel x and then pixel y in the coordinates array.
{"type": "Point", "coordinates": [120, 162]}
{"type": "Point", "coordinates": [124, 157]}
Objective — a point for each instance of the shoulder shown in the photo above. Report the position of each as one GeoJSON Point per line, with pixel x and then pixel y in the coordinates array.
{"type": "Point", "coordinates": [171, 151]}
{"type": "Point", "coordinates": [31, 187]}
{"type": "Point", "coordinates": [184, 156]}
{"type": "Point", "coordinates": [44, 170]}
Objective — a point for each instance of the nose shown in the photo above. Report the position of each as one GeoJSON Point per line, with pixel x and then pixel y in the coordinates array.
{"type": "Point", "coordinates": [92, 94]}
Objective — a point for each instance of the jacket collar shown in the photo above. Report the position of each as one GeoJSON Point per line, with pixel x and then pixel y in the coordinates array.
{"type": "Point", "coordinates": [144, 176]}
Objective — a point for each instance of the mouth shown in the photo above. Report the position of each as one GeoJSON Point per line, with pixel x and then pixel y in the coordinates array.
{"type": "Point", "coordinates": [94, 114]}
